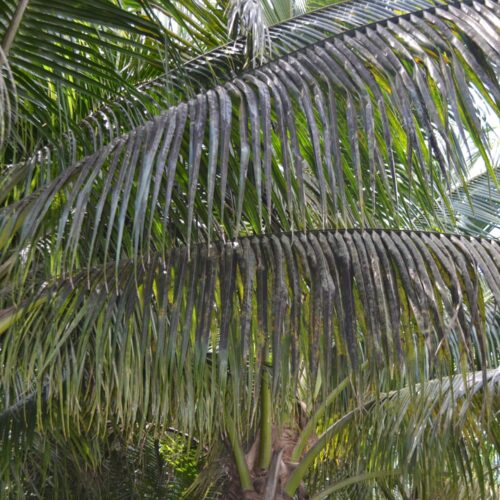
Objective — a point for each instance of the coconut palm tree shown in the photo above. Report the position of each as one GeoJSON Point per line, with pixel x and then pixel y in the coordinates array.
{"type": "Point", "coordinates": [260, 235]}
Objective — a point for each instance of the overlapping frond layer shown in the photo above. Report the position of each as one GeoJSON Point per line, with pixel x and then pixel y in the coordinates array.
{"type": "Point", "coordinates": [437, 429]}
{"type": "Point", "coordinates": [224, 63]}
{"type": "Point", "coordinates": [69, 58]}
{"type": "Point", "coordinates": [246, 18]}
{"type": "Point", "coordinates": [291, 35]}
{"type": "Point", "coordinates": [478, 210]}
{"type": "Point", "coordinates": [149, 345]}
{"type": "Point", "coordinates": [435, 438]}
{"type": "Point", "coordinates": [329, 130]}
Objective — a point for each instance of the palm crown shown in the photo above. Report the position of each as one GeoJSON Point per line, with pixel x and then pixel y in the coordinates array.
{"type": "Point", "coordinates": [244, 239]}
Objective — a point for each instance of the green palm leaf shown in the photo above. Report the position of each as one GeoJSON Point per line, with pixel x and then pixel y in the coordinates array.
{"type": "Point", "coordinates": [316, 304]}
{"type": "Point", "coordinates": [339, 146]}
{"type": "Point", "coordinates": [480, 213]}
{"type": "Point", "coordinates": [406, 424]}
{"type": "Point", "coordinates": [166, 261]}
{"type": "Point", "coordinates": [354, 294]}
{"type": "Point", "coordinates": [69, 57]}
{"type": "Point", "coordinates": [219, 65]}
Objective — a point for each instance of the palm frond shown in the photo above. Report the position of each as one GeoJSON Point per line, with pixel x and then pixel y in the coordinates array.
{"type": "Point", "coordinates": [223, 63]}
{"type": "Point", "coordinates": [434, 439]}
{"type": "Point", "coordinates": [7, 104]}
{"type": "Point", "coordinates": [94, 51]}
{"type": "Point", "coordinates": [246, 18]}
{"type": "Point", "coordinates": [478, 210]}
{"type": "Point", "coordinates": [323, 136]}
{"type": "Point", "coordinates": [321, 303]}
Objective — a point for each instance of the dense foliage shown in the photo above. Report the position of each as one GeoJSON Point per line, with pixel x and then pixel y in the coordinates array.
{"type": "Point", "coordinates": [259, 236]}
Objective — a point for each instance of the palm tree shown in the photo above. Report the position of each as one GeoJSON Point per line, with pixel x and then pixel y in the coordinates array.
{"type": "Point", "coordinates": [242, 243]}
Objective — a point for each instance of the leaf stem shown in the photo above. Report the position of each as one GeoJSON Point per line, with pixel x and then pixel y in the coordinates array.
{"type": "Point", "coordinates": [13, 28]}
{"type": "Point", "coordinates": [12, 314]}
{"type": "Point", "coordinates": [298, 474]}
{"type": "Point", "coordinates": [367, 476]}
{"type": "Point", "coordinates": [313, 421]}
{"type": "Point", "coordinates": [239, 456]}
{"type": "Point", "coordinates": [265, 449]}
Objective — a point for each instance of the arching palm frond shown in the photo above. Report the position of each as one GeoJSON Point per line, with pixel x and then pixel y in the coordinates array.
{"type": "Point", "coordinates": [138, 349]}
{"type": "Point", "coordinates": [223, 63]}
{"type": "Point", "coordinates": [170, 263]}
{"type": "Point", "coordinates": [57, 46]}
{"type": "Point", "coordinates": [322, 297]}
{"type": "Point", "coordinates": [409, 429]}
{"type": "Point", "coordinates": [67, 58]}
{"type": "Point", "coordinates": [7, 104]}
{"type": "Point", "coordinates": [323, 136]}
